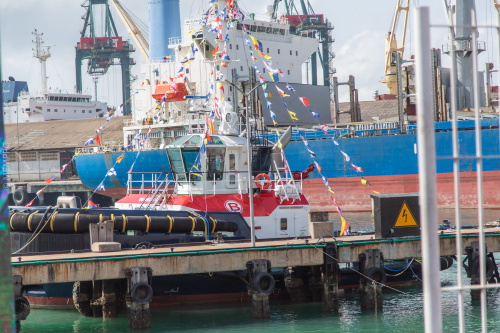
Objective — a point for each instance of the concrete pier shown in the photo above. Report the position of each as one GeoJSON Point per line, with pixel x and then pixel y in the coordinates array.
{"type": "Point", "coordinates": [100, 273]}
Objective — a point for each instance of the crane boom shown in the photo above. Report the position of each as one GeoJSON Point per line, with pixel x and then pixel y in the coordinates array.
{"type": "Point", "coordinates": [391, 46]}
{"type": "Point", "coordinates": [132, 29]}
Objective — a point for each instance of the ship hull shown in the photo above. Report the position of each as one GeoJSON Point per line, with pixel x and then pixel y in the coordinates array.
{"type": "Point", "coordinates": [390, 164]}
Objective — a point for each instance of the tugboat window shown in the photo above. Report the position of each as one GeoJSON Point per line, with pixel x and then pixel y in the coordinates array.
{"type": "Point", "coordinates": [189, 155]}
{"type": "Point", "coordinates": [175, 159]}
{"type": "Point", "coordinates": [215, 160]}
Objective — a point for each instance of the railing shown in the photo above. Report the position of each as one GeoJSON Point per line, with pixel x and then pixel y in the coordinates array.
{"type": "Point", "coordinates": [147, 181]}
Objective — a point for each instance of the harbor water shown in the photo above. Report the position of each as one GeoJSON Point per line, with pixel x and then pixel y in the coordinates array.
{"type": "Point", "coordinates": [402, 309]}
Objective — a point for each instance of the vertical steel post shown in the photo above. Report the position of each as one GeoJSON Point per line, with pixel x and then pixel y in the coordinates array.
{"type": "Point", "coordinates": [479, 171]}
{"type": "Point", "coordinates": [7, 322]}
{"type": "Point", "coordinates": [250, 182]}
{"type": "Point", "coordinates": [456, 171]}
{"type": "Point", "coordinates": [427, 173]}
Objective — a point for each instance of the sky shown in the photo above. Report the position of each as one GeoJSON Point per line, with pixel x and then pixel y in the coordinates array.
{"type": "Point", "coordinates": [360, 30]}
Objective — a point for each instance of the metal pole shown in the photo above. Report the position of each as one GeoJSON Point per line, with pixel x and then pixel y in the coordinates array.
{"type": "Point", "coordinates": [456, 170]}
{"type": "Point", "coordinates": [249, 158]}
{"type": "Point", "coordinates": [427, 174]}
{"type": "Point", "coordinates": [479, 168]}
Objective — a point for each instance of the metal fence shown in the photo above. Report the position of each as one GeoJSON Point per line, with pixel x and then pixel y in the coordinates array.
{"type": "Point", "coordinates": [427, 174]}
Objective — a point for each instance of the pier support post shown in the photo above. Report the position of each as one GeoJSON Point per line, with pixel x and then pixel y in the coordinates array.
{"type": "Point", "coordinates": [473, 268]}
{"type": "Point", "coordinates": [261, 286]}
{"type": "Point", "coordinates": [22, 305]}
{"type": "Point", "coordinates": [371, 280]}
{"type": "Point", "coordinates": [295, 283]}
{"type": "Point", "coordinates": [331, 278]}
{"type": "Point", "coordinates": [139, 295]}
{"type": "Point", "coordinates": [82, 294]}
{"type": "Point", "coordinates": [95, 303]}
{"type": "Point", "coordinates": [108, 299]}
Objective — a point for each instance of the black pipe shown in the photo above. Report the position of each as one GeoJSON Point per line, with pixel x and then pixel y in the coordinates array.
{"type": "Point", "coordinates": [79, 223]}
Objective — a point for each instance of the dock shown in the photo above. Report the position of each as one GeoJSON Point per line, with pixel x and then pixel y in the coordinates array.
{"type": "Point", "coordinates": [138, 266]}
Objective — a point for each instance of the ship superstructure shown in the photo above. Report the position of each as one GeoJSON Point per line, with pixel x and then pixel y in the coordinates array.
{"type": "Point", "coordinates": [21, 105]}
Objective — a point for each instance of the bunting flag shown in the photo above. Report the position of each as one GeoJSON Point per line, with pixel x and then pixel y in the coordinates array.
{"type": "Point", "coordinates": [109, 118]}
{"type": "Point", "coordinates": [145, 82]}
{"type": "Point", "coordinates": [344, 227]}
{"type": "Point", "coordinates": [317, 166]}
{"type": "Point", "coordinates": [274, 76]}
{"type": "Point", "coordinates": [98, 140]}
{"type": "Point", "coordinates": [357, 168]}
{"type": "Point", "coordinates": [305, 101]}
{"type": "Point", "coordinates": [196, 169]}
{"type": "Point", "coordinates": [216, 50]}
{"type": "Point", "coordinates": [293, 115]}
{"type": "Point", "coordinates": [289, 87]}
{"type": "Point", "coordinates": [165, 59]}
{"type": "Point", "coordinates": [91, 205]}
{"type": "Point", "coordinates": [347, 158]}
{"type": "Point", "coordinates": [101, 187]}
{"type": "Point", "coordinates": [111, 172]}
{"type": "Point", "coordinates": [335, 142]}
{"type": "Point", "coordinates": [281, 92]}
{"type": "Point", "coordinates": [31, 202]}
{"type": "Point", "coordinates": [324, 128]}
{"type": "Point", "coordinates": [364, 181]}
{"type": "Point", "coordinates": [221, 88]}
{"type": "Point", "coordinates": [89, 141]}
{"type": "Point", "coordinates": [50, 180]}
{"type": "Point", "coordinates": [314, 114]}
{"type": "Point", "coordinates": [64, 167]}
{"type": "Point", "coordinates": [119, 159]}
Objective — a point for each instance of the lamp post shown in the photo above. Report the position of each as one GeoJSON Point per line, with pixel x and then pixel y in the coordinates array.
{"type": "Point", "coordinates": [249, 157]}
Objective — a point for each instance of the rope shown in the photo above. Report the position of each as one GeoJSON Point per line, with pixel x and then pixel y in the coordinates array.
{"type": "Point", "coordinates": [38, 230]}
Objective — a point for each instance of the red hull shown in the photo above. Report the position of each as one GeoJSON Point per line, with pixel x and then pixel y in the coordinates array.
{"type": "Point", "coordinates": [352, 196]}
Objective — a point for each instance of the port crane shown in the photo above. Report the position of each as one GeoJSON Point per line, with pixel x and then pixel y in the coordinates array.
{"type": "Point", "coordinates": [391, 47]}
{"type": "Point", "coordinates": [101, 51]}
{"type": "Point", "coordinates": [313, 25]}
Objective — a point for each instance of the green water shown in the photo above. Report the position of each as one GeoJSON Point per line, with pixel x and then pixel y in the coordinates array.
{"type": "Point", "coordinates": [402, 311]}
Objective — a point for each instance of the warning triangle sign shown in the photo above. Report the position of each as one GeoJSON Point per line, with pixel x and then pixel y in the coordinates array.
{"type": "Point", "coordinates": [405, 218]}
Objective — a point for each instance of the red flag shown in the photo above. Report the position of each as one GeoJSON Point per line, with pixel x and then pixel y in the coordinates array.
{"type": "Point", "coordinates": [98, 140]}
{"type": "Point", "coordinates": [357, 168]}
{"type": "Point", "coordinates": [50, 180]}
{"type": "Point", "coordinates": [216, 50]}
{"type": "Point", "coordinates": [305, 101]}
{"type": "Point", "coordinates": [31, 202]}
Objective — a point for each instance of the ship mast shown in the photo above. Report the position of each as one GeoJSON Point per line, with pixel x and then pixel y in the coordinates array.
{"type": "Point", "coordinates": [42, 53]}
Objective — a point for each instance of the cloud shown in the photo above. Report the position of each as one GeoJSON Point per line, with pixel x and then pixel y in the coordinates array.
{"type": "Point", "coordinates": [362, 56]}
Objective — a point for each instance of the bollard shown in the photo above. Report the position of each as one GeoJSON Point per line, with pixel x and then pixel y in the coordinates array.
{"type": "Point", "coordinates": [473, 261]}
{"type": "Point", "coordinates": [261, 285]}
{"type": "Point", "coordinates": [21, 304]}
{"type": "Point", "coordinates": [139, 295]}
{"type": "Point", "coordinates": [370, 283]}
{"type": "Point", "coordinates": [331, 278]}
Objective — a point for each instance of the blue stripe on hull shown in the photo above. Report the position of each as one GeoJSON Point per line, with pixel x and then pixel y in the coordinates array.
{"type": "Point", "coordinates": [377, 155]}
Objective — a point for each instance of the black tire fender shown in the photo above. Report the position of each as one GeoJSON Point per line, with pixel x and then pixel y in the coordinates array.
{"type": "Point", "coordinates": [474, 268]}
{"type": "Point", "coordinates": [20, 196]}
{"type": "Point", "coordinates": [141, 293]}
{"type": "Point", "coordinates": [23, 308]}
{"type": "Point", "coordinates": [263, 283]}
{"type": "Point", "coordinates": [377, 274]}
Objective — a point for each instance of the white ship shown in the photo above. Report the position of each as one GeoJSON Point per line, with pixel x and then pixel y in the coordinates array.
{"type": "Point", "coordinates": [22, 106]}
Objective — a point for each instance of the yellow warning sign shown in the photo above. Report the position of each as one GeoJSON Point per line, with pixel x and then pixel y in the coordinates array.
{"type": "Point", "coordinates": [405, 218]}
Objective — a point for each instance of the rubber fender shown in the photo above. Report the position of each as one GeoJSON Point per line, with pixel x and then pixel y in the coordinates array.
{"type": "Point", "coordinates": [20, 196]}
{"type": "Point", "coordinates": [446, 262]}
{"type": "Point", "coordinates": [141, 293]}
{"type": "Point", "coordinates": [263, 283]}
{"type": "Point", "coordinates": [377, 274]}
{"type": "Point", "coordinates": [474, 268]}
{"type": "Point", "coordinates": [23, 308]}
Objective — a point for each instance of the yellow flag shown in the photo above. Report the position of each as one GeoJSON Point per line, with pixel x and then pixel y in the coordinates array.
{"type": "Point", "coordinates": [293, 115]}
{"type": "Point", "coordinates": [254, 40]}
{"type": "Point", "coordinates": [268, 57]}
{"type": "Point", "coordinates": [343, 228]}
{"type": "Point", "coordinates": [279, 137]}
{"type": "Point", "coordinates": [190, 32]}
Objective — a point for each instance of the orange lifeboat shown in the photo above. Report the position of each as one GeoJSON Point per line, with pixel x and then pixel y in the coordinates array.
{"type": "Point", "coordinates": [177, 93]}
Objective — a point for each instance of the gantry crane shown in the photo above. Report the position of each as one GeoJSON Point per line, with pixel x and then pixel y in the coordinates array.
{"type": "Point", "coordinates": [314, 25]}
{"type": "Point", "coordinates": [102, 50]}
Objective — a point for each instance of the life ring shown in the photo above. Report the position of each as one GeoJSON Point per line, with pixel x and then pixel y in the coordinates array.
{"type": "Point", "coordinates": [22, 307]}
{"type": "Point", "coordinates": [475, 268]}
{"type": "Point", "coordinates": [377, 274]}
{"type": "Point", "coordinates": [258, 182]}
{"type": "Point", "coordinates": [20, 196]}
{"type": "Point", "coordinates": [141, 293]}
{"type": "Point", "coordinates": [263, 283]}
